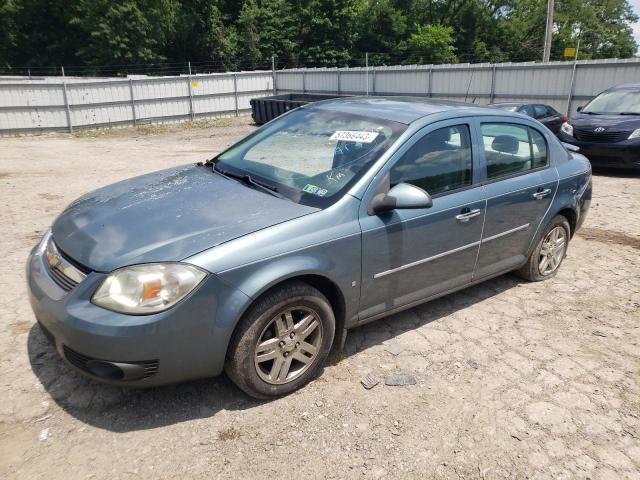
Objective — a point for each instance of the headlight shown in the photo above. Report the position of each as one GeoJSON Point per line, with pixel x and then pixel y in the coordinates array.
{"type": "Point", "coordinates": [148, 288]}
{"type": "Point", "coordinates": [567, 128]}
{"type": "Point", "coordinates": [635, 134]}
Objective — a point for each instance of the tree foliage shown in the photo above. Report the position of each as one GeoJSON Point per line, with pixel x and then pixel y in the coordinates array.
{"type": "Point", "coordinates": [232, 34]}
{"type": "Point", "coordinates": [430, 44]}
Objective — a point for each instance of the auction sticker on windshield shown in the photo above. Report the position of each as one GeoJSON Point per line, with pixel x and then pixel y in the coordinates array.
{"type": "Point", "coordinates": [353, 136]}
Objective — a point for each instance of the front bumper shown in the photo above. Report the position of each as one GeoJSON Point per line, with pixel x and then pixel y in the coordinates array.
{"type": "Point", "coordinates": [612, 155]}
{"type": "Point", "coordinates": [185, 342]}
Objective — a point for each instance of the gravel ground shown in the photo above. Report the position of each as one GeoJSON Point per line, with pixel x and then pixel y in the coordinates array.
{"type": "Point", "coordinates": [514, 380]}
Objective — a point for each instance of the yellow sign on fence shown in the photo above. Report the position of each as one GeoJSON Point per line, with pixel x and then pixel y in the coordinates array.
{"type": "Point", "coordinates": [195, 84]}
{"type": "Point", "coordinates": [570, 52]}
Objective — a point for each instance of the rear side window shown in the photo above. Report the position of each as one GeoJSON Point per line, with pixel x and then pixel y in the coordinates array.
{"type": "Point", "coordinates": [540, 111]}
{"type": "Point", "coordinates": [438, 162]}
{"type": "Point", "coordinates": [511, 149]}
{"type": "Point", "coordinates": [527, 110]}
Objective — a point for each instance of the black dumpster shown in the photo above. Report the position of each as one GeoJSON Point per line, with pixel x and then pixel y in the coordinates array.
{"type": "Point", "coordinates": [267, 108]}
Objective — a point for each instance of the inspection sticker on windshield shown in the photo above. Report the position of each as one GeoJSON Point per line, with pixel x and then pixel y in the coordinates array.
{"type": "Point", "coordinates": [354, 136]}
{"type": "Point", "coordinates": [313, 189]}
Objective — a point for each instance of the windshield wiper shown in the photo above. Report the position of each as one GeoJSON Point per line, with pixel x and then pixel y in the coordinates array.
{"type": "Point", "coordinates": [591, 113]}
{"type": "Point", "coordinates": [629, 113]}
{"type": "Point", "coordinates": [247, 179]}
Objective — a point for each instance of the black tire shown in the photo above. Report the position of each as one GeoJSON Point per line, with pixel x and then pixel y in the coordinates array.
{"type": "Point", "coordinates": [240, 363]}
{"type": "Point", "coordinates": [531, 270]}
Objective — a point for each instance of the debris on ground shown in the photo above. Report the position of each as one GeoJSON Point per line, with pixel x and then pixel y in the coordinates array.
{"type": "Point", "coordinates": [393, 349]}
{"type": "Point", "coordinates": [598, 333]}
{"type": "Point", "coordinates": [399, 379]}
{"type": "Point", "coordinates": [369, 381]}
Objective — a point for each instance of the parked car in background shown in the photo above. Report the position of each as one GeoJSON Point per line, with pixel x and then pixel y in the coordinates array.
{"type": "Point", "coordinates": [607, 129]}
{"type": "Point", "coordinates": [328, 217]}
{"type": "Point", "coordinates": [545, 114]}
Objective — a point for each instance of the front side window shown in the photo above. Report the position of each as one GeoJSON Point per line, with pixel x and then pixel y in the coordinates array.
{"type": "Point", "coordinates": [439, 162]}
{"type": "Point", "coordinates": [510, 149]}
{"type": "Point", "coordinates": [312, 155]}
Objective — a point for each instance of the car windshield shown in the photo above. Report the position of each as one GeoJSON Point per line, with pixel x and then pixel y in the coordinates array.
{"type": "Point", "coordinates": [311, 155]}
{"type": "Point", "coordinates": [615, 102]}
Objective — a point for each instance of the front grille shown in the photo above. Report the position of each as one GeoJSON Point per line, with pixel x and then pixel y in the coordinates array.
{"type": "Point", "coordinates": [64, 271]}
{"type": "Point", "coordinates": [64, 282]}
{"type": "Point", "coordinates": [603, 137]}
{"type": "Point", "coordinates": [80, 361]}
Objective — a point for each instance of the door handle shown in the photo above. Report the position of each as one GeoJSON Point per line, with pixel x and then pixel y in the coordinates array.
{"type": "Point", "coordinates": [541, 194]}
{"type": "Point", "coordinates": [468, 215]}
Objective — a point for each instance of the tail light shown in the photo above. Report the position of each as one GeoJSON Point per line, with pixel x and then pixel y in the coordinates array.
{"type": "Point", "coordinates": [565, 119]}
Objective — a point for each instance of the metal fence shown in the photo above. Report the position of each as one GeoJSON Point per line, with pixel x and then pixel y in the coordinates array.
{"type": "Point", "coordinates": [65, 103]}
{"type": "Point", "coordinates": [563, 85]}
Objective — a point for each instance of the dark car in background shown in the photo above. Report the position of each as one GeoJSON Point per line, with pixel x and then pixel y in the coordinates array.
{"type": "Point", "coordinates": [545, 114]}
{"type": "Point", "coordinates": [607, 129]}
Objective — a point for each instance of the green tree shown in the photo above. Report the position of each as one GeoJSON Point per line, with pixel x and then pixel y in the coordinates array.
{"type": "Point", "coordinates": [125, 32]}
{"type": "Point", "coordinates": [430, 44]}
{"type": "Point", "coordinates": [381, 27]}
{"type": "Point", "coordinates": [265, 29]}
{"type": "Point", "coordinates": [202, 36]}
{"type": "Point", "coordinates": [7, 31]}
{"type": "Point", "coordinates": [326, 31]}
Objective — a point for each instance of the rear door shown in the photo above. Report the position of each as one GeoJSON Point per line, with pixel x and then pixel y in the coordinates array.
{"type": "Point", "coordinates": [520, 185]}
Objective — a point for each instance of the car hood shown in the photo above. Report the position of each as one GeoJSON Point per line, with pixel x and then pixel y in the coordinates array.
{"type": "Point", "coordinates": [615, 122]}
{"type": "Point", "coordinates": [165, 216]}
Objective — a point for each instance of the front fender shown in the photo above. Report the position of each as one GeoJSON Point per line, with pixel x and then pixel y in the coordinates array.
{"type": "Point", "coordinates": [337, 261]}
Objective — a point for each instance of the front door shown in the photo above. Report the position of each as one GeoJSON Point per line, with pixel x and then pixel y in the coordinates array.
{"type": "Point", "coordinates": [520, 186]}
{"type": "Point", "coordinates": [410, 255]}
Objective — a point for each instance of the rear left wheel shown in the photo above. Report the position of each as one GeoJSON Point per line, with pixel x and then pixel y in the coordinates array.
{"type": "Point", "coordinates": [282, 341]}
{"type": "Point", "coordinates": [549, 253]}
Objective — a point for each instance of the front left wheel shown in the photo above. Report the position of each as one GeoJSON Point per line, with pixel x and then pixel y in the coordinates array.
{"type": "Point", "coordinates": [282, 341]}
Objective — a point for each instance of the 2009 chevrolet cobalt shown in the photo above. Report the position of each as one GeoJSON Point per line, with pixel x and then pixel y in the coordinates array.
{"type": "Point", "coordinates": [333, 215]}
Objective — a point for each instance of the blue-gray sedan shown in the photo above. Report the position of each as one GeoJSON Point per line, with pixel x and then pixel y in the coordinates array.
{"type": "Point", "coordinates": [336, 214]}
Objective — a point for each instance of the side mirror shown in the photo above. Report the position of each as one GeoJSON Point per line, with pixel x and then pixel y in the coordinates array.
{"type": "Point", "coordinates": [402, 196]}
{"type": "Point", "coordinates": [580, 108]}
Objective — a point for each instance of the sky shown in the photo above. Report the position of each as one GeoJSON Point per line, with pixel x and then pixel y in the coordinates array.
{"type": "Point", "coordinates": [636, 27]}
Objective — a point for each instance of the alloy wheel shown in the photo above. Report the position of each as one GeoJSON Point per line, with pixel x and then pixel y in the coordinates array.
{"type": "Point", "coordinates": [552, 252]}
{"type": "Point", "coordinates": [288, 345]}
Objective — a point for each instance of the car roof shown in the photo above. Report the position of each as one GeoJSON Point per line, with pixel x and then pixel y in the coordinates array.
{"type": "Point", "coordinates": [399, 109]}
{"type": "Point", "coordinates": [508, 104]}
{"type": "Point", "coordinates": [624, 86]}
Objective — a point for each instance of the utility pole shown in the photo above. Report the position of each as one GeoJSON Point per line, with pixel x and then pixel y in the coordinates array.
{"type": "Point", "coordinates": [273, 74]}
{"type": "Point", "coordinates": [366, 63]}
{"type": "Point", "coordinates": [548, 32]}
{"type": "Point", "coordinates": [573, 77]}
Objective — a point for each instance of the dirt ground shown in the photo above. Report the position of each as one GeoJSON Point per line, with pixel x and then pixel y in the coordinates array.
{"type": "Point", "coordinates": [514, 379]}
